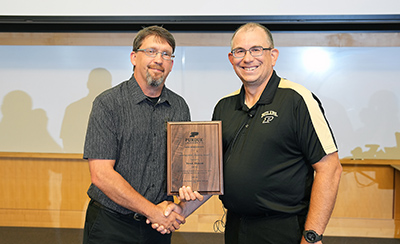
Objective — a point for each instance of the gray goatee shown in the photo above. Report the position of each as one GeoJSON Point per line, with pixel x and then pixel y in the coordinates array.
{"type": "Point", "coordinates": [154, 82]}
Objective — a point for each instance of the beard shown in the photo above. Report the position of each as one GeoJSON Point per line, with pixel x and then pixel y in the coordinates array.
{"type": "Point", "coordinates": [155, 82]}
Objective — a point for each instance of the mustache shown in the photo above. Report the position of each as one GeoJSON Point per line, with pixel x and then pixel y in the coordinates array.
{"type": "Point", "coordinates": [156, 67]}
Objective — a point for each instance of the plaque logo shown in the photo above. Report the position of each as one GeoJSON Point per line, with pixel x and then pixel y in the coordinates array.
{"type": "Point", "coordinates": [193, 139]}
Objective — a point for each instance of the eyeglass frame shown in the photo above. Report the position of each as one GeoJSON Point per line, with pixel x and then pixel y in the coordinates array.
{"type": "Point", "coordinates": [155, 53]}
{"type": "Point", "coordinates": [249, 50]}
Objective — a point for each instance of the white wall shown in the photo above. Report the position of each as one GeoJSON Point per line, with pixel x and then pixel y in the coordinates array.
{"type": "Point", "coordinates": [193, 8]}
{"type": "Point", "coordinates": [359, 88]}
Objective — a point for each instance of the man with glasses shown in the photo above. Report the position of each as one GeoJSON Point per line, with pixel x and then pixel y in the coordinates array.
{"type": "Point", "coordinates": [126, 148]}
{"type": "Point", "coordinates": [275, 138]}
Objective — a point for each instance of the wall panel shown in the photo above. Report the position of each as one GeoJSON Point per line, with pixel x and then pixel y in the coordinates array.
{"type": "Point", "coordinates": [49, 190]}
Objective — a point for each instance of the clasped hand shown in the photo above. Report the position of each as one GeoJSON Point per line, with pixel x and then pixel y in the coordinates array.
{"type": "Point", "coordinates": [173, 214]}
{"type": "Point", "coordinates": [166, 223]}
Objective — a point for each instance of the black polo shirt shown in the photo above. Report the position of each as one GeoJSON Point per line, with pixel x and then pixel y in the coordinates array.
{"type": "Point", "coordinates": [269, 149]}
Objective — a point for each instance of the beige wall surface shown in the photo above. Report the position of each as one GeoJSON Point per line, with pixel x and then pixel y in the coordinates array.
{"type": "Point", "coordinates": [48, 81]}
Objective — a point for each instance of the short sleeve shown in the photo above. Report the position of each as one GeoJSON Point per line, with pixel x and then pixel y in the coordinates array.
{"type": "Point", "coordinates": [101, 136]}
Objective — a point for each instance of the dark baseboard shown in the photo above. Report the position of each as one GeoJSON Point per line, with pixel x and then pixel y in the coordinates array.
{"type": "Point", "coordinates": [28, 235]}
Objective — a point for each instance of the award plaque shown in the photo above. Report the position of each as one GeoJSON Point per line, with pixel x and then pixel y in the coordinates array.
{"type": "Point", "coordinates": [194, 157]}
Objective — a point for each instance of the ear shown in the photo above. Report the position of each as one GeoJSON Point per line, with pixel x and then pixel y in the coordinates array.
{"type": "Point", "coordinates": [274, 56]}
{"type": "Point", "coordinates": [133, 58]}
{"type": "Point", "coordinates": [230, 57]}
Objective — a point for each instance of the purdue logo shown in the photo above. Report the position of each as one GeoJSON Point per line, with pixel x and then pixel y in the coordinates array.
{"type": "Point", "coordinates": [192, 138]}
{"type": "Point", "coordinates": [268, 116]}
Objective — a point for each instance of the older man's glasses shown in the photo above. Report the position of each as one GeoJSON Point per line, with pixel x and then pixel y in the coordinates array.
{"type": "Point", "coordinates": [151, 52]}
{"type": "Point", "coordinates": [254, 51]}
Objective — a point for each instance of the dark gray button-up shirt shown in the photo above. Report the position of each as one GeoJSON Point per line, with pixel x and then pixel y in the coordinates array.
{"type": "Point", "coordinates": [126, 126]}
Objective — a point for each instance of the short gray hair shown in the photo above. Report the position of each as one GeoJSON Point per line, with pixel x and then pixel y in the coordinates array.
{"type": "Point", "coordinates": [252, 26]}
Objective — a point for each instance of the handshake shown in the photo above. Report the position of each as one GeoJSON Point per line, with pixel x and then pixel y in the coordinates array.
{"type": "Point", "coordinates": [169, 216]}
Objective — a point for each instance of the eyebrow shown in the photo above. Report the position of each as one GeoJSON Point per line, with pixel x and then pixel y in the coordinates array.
{"type": "Point", "coordinates": [152, 47]}
{"type": "Point", "coordinates": [249, 48]}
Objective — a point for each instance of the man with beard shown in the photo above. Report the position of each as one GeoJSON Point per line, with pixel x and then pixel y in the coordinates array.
{"type": "Point", "coordinates": [126, 148]}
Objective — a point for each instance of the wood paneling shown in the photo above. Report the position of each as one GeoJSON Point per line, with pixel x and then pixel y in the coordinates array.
{"type": "Point", "coordinates": [365, 192]}
{"type": "Point", "coordinates": [49, 190]}
{"type": "Point", "coordinates": [330, 39]}
{"type": "Point", "coordinates": [397, 201]}
{"type": "Point", "coordinates": [360, 227]}
{"type": "Point", "coordinates": [43, 190]}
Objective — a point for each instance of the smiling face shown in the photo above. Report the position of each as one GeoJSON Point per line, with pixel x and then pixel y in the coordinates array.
{"type": "Point", "coordinates": [253, 71]}
{"type": "Point", "coordinates": [151, 72]}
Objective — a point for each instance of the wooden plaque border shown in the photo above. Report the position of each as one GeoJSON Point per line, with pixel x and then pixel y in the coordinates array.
{"type": "Point", "coordinates": [216, 127]}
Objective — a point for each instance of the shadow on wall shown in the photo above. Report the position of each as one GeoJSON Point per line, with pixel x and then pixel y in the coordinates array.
{"type": "Point", "coordinates": [23, 127]}
{"type": "Point", "coordinates": [374, 152]}
{"type": "Point", "coordinates": [73, 129]}
{"type": "Point", "coordinates": [380, 121]}
{"type": "Point", "coordinates": [73, 132]}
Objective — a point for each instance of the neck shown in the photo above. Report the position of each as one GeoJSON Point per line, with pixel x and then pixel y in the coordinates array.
{"type": "Point", "coordinates": [152, 91]}
{"type": "Point", "coordinates": [253, 93]}
{"type": "Point", "coordinates": [254, 90]}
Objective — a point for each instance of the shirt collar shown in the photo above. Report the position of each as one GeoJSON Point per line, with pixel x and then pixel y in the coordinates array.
{"type": "Point", "coordinates": [267, 95]}
{"type": "Point", "coordinates": [270, 90]}
{"type": "Point", "coordinates": [138, 96]}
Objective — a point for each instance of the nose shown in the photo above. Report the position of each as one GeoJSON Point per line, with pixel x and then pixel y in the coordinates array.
{"type": "Point", "coordinates": [158, 58]}
{"type": "Point", "coordinates": [247, 55]}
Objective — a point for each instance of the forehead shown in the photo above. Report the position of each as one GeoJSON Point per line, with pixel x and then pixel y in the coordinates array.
{"type": "Point", "coordinates": [159, 43]}
{"type": "Point", "coordinates": [247, 38]}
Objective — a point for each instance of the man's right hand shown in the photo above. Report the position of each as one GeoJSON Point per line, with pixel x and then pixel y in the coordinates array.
{"type": "Point", "coordinates": [167, 223]}
{"type": "Point", "coordinates": [187, 197]}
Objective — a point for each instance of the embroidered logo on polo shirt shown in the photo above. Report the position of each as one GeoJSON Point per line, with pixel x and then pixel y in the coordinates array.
{"type": "Point", "coordinates": [268, 116]}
